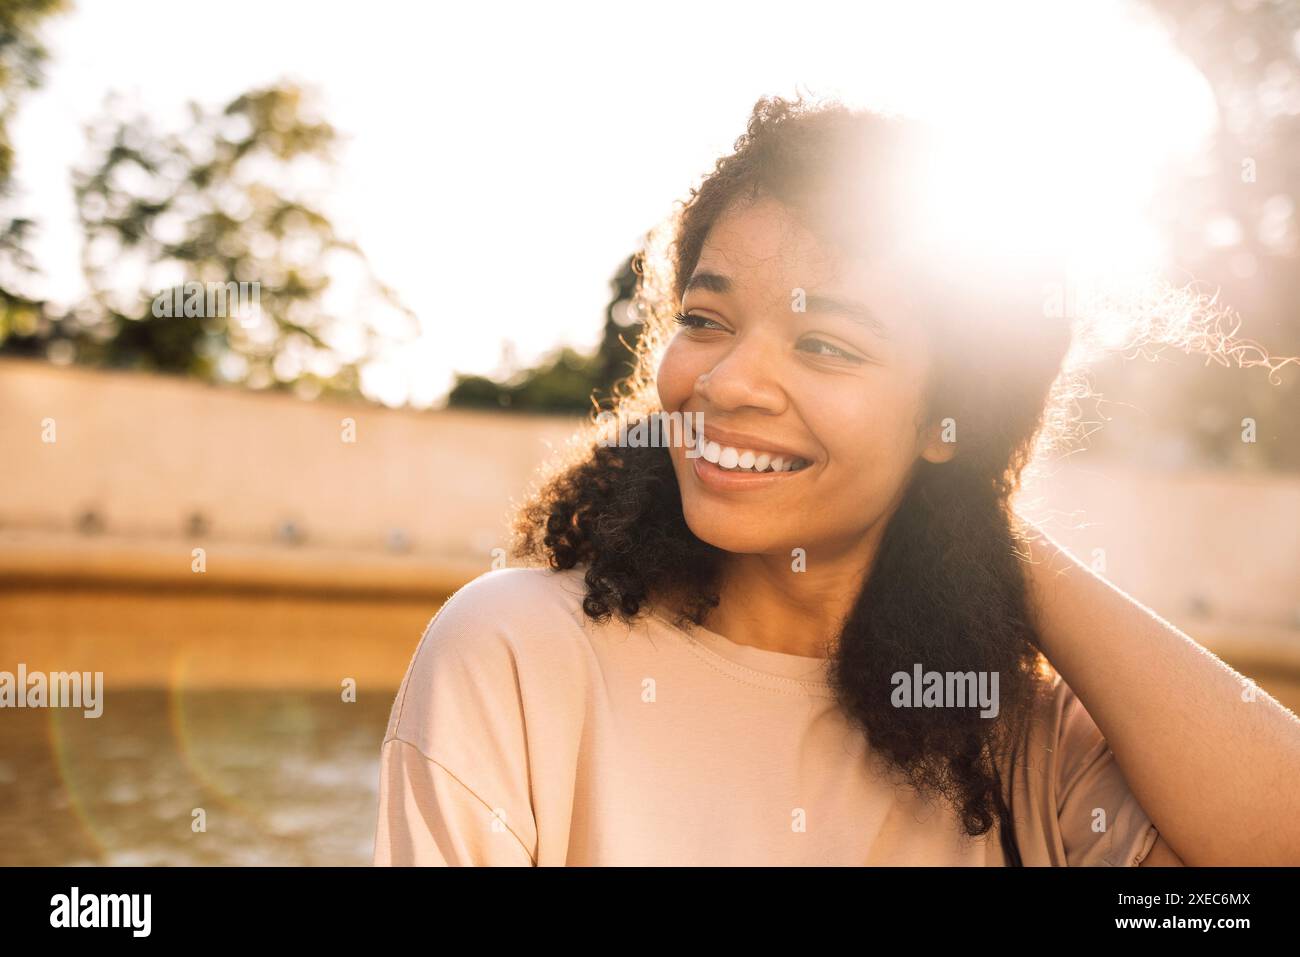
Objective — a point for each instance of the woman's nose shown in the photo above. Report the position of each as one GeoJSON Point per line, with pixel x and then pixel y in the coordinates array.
{"type": "Point", "coordinates": [744, 377]}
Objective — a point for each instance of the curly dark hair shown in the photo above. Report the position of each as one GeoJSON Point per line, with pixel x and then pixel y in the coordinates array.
{"type": "Point", "coordinates": [947, 587]}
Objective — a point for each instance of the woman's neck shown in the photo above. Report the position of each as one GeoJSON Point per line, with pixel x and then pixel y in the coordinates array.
{"type": "Point", "coordinates": [795, 603]}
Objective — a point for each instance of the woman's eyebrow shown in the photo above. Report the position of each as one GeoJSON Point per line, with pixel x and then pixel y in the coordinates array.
{"type": "Point", "coordinates": [812, 302]}
{"type": "Point", "coordinates": [709, 282]}
{"type": "Point", "coordinates": [859, 313]}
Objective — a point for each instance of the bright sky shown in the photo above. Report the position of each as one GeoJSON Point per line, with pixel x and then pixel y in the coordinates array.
{"type": "Point", "coordinates": [502, 159]}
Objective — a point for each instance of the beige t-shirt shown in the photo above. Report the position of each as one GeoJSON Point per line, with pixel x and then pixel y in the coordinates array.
{"type": "Point", "coordinates": [526, 734]}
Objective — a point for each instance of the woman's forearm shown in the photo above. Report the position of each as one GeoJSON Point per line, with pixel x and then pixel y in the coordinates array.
{"type": "Point", "coordinates": [1214, 760]}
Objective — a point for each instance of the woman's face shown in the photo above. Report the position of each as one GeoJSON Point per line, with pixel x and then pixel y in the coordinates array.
{"type": "Point", "coordinates": [794, 356]}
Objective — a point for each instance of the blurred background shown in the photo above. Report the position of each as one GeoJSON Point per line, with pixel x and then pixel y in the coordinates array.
{"type": "Point", "coordinates": [239, 514]}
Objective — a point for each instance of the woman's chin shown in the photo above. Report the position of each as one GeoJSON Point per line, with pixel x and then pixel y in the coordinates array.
{"type": "Point", "coordinates": [735, 537]}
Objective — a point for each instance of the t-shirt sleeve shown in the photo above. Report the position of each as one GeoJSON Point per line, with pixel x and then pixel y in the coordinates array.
{"type": "Point", "coordinates": [454, 785]}
{"type": "Point", "coordinates": [1075, 806]}
{"type": "Point", "coordinates": [1092, 816]}
{"type": "Point", "coordinates": [428, 817]}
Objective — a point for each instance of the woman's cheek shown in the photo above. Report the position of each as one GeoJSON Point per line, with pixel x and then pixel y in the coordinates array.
{"type": "Point", "coordinates": [875, 445]}
{"type": "Point", "coordinates": [674, 379]}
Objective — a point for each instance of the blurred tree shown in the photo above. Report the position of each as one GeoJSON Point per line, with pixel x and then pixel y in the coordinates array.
{"type": "Point", "coordinates": [22, 60]}
{"type": "Point", "coordinates": [564, 383]}
{"type": "Point", "coordinates": [568, 381]}
{"type": "Point", "coordinates": [1232, 223]}
{"type": "Point", "coordinates": [175, 222]}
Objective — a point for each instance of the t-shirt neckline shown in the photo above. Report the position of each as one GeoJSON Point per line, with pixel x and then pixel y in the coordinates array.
{"type": "Point", "coordinates": [775, 668]}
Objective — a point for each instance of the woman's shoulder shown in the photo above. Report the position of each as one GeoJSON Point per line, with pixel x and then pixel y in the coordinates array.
{"type": "Point", "coordinates": [507, 610]}
{"type": "Point", "coordinates": [516, 596]}
{"type": "Point", "coordinates": [504, 630]}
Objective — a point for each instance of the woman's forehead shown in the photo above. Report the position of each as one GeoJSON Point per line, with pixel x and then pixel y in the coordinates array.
{"type": "Point", "coordinates": [765, 239]}
{"type": "Point", "coordinates": [762, 247]}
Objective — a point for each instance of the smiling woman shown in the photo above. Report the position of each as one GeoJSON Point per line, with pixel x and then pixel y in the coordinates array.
{"type": "Point", "coordinates": [705, 672]}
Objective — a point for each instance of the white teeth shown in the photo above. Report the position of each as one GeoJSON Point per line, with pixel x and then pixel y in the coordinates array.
{"type": "Point", "coordinates": [746, 460]}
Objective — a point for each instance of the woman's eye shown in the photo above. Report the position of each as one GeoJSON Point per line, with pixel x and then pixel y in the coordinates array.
{"type": "Point", "coordinates": [695, 322]}
{"type": "Point", "coordinates": [820, 347]}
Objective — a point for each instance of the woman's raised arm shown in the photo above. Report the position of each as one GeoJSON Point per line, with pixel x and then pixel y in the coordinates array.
{"type": "Point", "coordinates": [1213, 759]}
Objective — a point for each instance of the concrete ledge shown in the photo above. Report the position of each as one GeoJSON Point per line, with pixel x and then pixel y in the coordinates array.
{"type": "Point", "coordinates": [46, 560]}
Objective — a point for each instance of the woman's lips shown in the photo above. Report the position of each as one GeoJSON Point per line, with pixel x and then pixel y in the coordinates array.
{"type": "Point", "coordinates": [730, 467]}
{"type": "Point", "coordinates": [727, 480]}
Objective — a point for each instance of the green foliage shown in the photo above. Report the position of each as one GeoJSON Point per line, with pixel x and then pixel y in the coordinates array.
{"type": "Point", "coordinates": [568, 381]}
{"type": "Point", "coordinates": [22, 62]}
{"type": "Point", "coordinates": [226, 199]}
{"type": "Point", "coordinates": [560, 385]}
{"type": "Point", "coordinates": [220, 202]}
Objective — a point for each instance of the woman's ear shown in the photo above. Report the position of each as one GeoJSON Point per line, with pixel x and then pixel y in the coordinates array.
{"type": "Point", "coordinates": [940, 441]}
